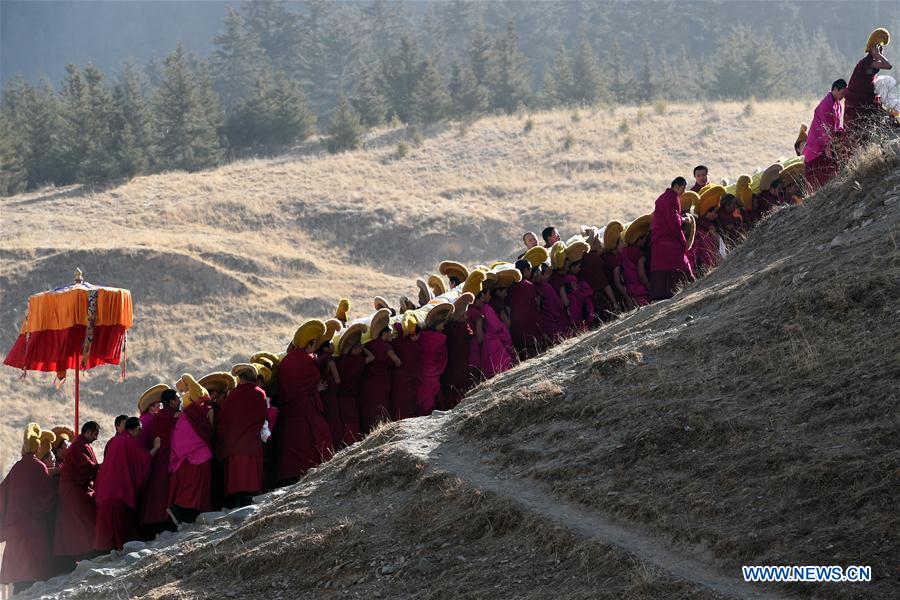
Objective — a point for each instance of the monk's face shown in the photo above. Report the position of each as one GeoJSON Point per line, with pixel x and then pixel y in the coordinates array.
{"type": "Point", "coordinates": [356, 350]}
{"type": "Point", "coordinates": [134, 432]}
{"type": "Point", "coordinates": [530, 240]}
{"type": "Point", "coordinates": [155, 408]}
{"type": "Point", "coordinates": [91, 436]}
{"type": "Point", "coordinates": [711, 214]}
{"type": "Point", "coordinates": [701, 176]}
{"type": "Point", "coordinates": [60, 451]}
{"type": "Point", "coordinates": [49, 460]}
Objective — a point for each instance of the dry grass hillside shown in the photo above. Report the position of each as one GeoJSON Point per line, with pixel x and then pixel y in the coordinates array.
{"type": "Point", "coordinates": [750, 420]}
{"type": "Point", "coordinates": [226, 262]}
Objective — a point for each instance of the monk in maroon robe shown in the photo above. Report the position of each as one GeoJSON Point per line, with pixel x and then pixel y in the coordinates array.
{"type": "Point", "coordinates": [455, 381]}
{"type": "Point", "coordinates": [375, 391]}
{"type": "Point", "coordinates": [26, 505]}
{"type": "Point", "coordinates": [405, 379]}
{"type": "Point", "coordinates": [351, 366]}
{"type": "Point", "coordinates": [73, 536]}
{"type": "Point", "coordinates": [238, 433]}
{"type": "Point", "coordinates": [593, 272]}
{"type": "Point", "coordinates": [862, 106]}
{"type": "Point", "coordinates": [154, 516]}
{"type": "Point", "coordinates": [122, 477]}
{"type": "Point", "coordinates": [301, 435]}
{"type": "Point", "coordinates": [524, 313]}
{"type": "Point", "coordinates": [331, 376]}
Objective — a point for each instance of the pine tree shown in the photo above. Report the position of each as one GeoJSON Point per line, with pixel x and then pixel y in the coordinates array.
{"type": "Point", "coordinates": [621, 83]}
{"type": "Point", "coordinates": [480, 55]}
{"type": "Point", "coordinates": [746, 65]}
{"type": "Point", "coordinates": [384, 22]}
{"type": "Point", "coordinates": [13, 175]}
{"type": "Point", "coordinates": [293, 119]}
{"type": "Point", "coordinates": [430, 100]}
{"type": "Point", "coordinates": [237, 61]}
{"type": "Point", "coordinates": [185, 119]}
{"type": "Point", "coordinates": [98, 164]}
{"type": "Point", "coordinates": [74, 139]}
{"type": "Point", "coordinates": [559, 82]}
{"type": "Point", "coordinates": [647, 82]}
{"type": "Point", "coordinates": [131, 126]}
{"type": "Point", "coordinates": [469, 98]}
{"type": "Point", "coordinates": [277, 30]}
{"type": "Point", "coordinates": [400, 74]}
{"type": "Point", "coordinates": [344, 131]}
{"type": "Point", "coordinates": [369, 103]}
{"type": "Point", "coordinates": [509, 83]}
{"type": "Point", "coordinates": [42, 128]}
{"type": "Point", "coordinates": [587, 79]}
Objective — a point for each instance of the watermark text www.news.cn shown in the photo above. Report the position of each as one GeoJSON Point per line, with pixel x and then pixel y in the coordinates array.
{"type": "Point", "coordinates": [807, 573]}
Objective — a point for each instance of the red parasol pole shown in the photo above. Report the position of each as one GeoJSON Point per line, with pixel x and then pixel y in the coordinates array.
{"type": "Point", "coordinates": [77, 371]}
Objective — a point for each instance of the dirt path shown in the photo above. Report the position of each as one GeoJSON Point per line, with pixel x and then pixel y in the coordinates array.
{"type": "Point", "coordinates": [430, 443]}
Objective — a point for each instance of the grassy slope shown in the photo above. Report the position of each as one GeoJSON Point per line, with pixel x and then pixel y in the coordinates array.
{"type": "Point", "coordinates": [226, 262]}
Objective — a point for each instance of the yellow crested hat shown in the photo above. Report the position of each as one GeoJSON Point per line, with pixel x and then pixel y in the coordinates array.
{"type": "Point", "coordinates": [343, 308]}
{"type": "Point", "coordinates": [219, 381]}
{"type": "Point", "coordinates": [769, 175]}
{"type": "Point", "coordinates": [331, 326]}
{"type": "Point", "coordinates": [689, 227]}
{"type": "Point", "coordinates": [424, 291]}
{"type": "Point", "coordinates": [269, 356]}
{"type": "Point", "coordinates": [379, 302]}
{"type": "Point", "coordinates": [709, 199]}
{"type": "Point", "coordinates": [743, 192]}
{"type": "Point", "coordinates": [536, 256]}
{"type": "Point", "coordinates": [248, 369]}
{"type": "Point", "coordinates": [310, 331]}
{"type": "Point", "coordinates": [349, 337]}
{"type": "Point", "coordinates": [506, 274]}
{"type": "Point", "coordinates": [558, 255]}
{"type": "Point", "coordinates": [264, 361]}
{"type": "Point", "coordinates": [191, 390]}
{"type": "Point", "coordinates": [453, 269]}
{"type": "Point", "coordinates": [688, 199]}
{"type": "Point", "coordinates": [437, 285]}
{"type": "Point", "coordinates": [474, 282]}
{"type": "Point", "coordinates": [576, 250]}
{"type": "Point", "coordinates": [461, 304]}
{"type": "Point", "coordinates": [46, 444]}
{"type": "Point", "coordinates": [265, 372]}
{"type": "Point", "coordinates": [801, 136]}
{"type": "Point", "coordinates": [612, 233]}
{"type": "Point", "coordinates": [31, 441]}
{"type": "Point", "coordinates": [62, 433]}
{"type": "Point", "coordinates": [407, 304]}
{"type": "Point", "coordinates": [379, 322]}
{"type": "Point", "coordinates": [879, 37]}
{"type": "Point", "coordinates": [438, 314]}
{"type": "Point", "coordinates": [637, 228]}
{"type": "Point", "coordinates": [408, 323]}
{"type": "Point", "coordinates": [151, 396]}
{"type": "Point", "coordinates": [795, 172]}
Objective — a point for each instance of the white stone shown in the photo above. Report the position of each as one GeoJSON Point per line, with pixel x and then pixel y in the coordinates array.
{"type": "Point", "coordinates": [133, 546]}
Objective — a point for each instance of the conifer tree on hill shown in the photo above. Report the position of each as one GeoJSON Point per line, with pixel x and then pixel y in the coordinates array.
{"type": "Point", "coordinates": [131, 126]}
{"type": "Point", "coordinates": [186, 117]}
{"type": "Point", "coordinates": [400, 74]}
{"type": "Point", "coordinates": [368, 102]}
{"type": "Point", "coordinates": [237, 61]}
{"type": "Point", "coordinates": [509, 82]}
{"type": "Point", "coordinates": [344, 131]}
{"type": "Point", "coordinates": [431, 102]}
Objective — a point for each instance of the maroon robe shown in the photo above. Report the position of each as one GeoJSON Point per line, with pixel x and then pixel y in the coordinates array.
{"type": "Point", "coordinates": [455, 381]}
{"type": "Point", "coordinates": [350, 368]}
{"type": "Point", "coordinates": [238, 437]}
{"type": "Point", "coordinates": [122, 476]}
{"type": "Point", "coordinates": [26, 505]}
{"type": "Point", "coordinates": [524, 317]}
{"type": "Point", "coordinates": [375, 391]}
{"type": "Point", "coordinates": [861, 104]}
{"type": "Point", "coordinates": [156, 494]}
{"type": "Point", "coordinates": [301, 436]}
{"type": "Point", "coordinates": [405, 378]}
{"type": "Point", "coordinates": [330, 400]}
{"type": "Point", "coordinates": [76, 512]}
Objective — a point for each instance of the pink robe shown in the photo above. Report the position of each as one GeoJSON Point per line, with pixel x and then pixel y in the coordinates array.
{"type": "Point", "coordinates": [496, 347]}
{"type": "Point", "coordinates": [432, 362]}
{"type": "Point", "coordinates": [405, 378]}
{"type": "Point", "coordinates": [707, 245]}
{"type": "Point", "coordinates": [581, 303]}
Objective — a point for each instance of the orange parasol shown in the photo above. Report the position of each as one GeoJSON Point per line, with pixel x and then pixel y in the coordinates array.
{"type": "Point", "coordinates": [78, 326]}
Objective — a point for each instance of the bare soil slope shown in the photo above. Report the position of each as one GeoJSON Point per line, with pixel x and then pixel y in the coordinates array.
{"type": "Point", "coordinates": [227, 262]}
{"type": "Point", "coordinates": [750, 420]}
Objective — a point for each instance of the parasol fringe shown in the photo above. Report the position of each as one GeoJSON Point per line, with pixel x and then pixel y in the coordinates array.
{"type": "Point", "coordinates": [124, 358]}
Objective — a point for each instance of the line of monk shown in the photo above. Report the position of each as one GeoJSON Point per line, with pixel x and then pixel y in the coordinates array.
{"type": "Point", "coordinates": [214, 442]}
